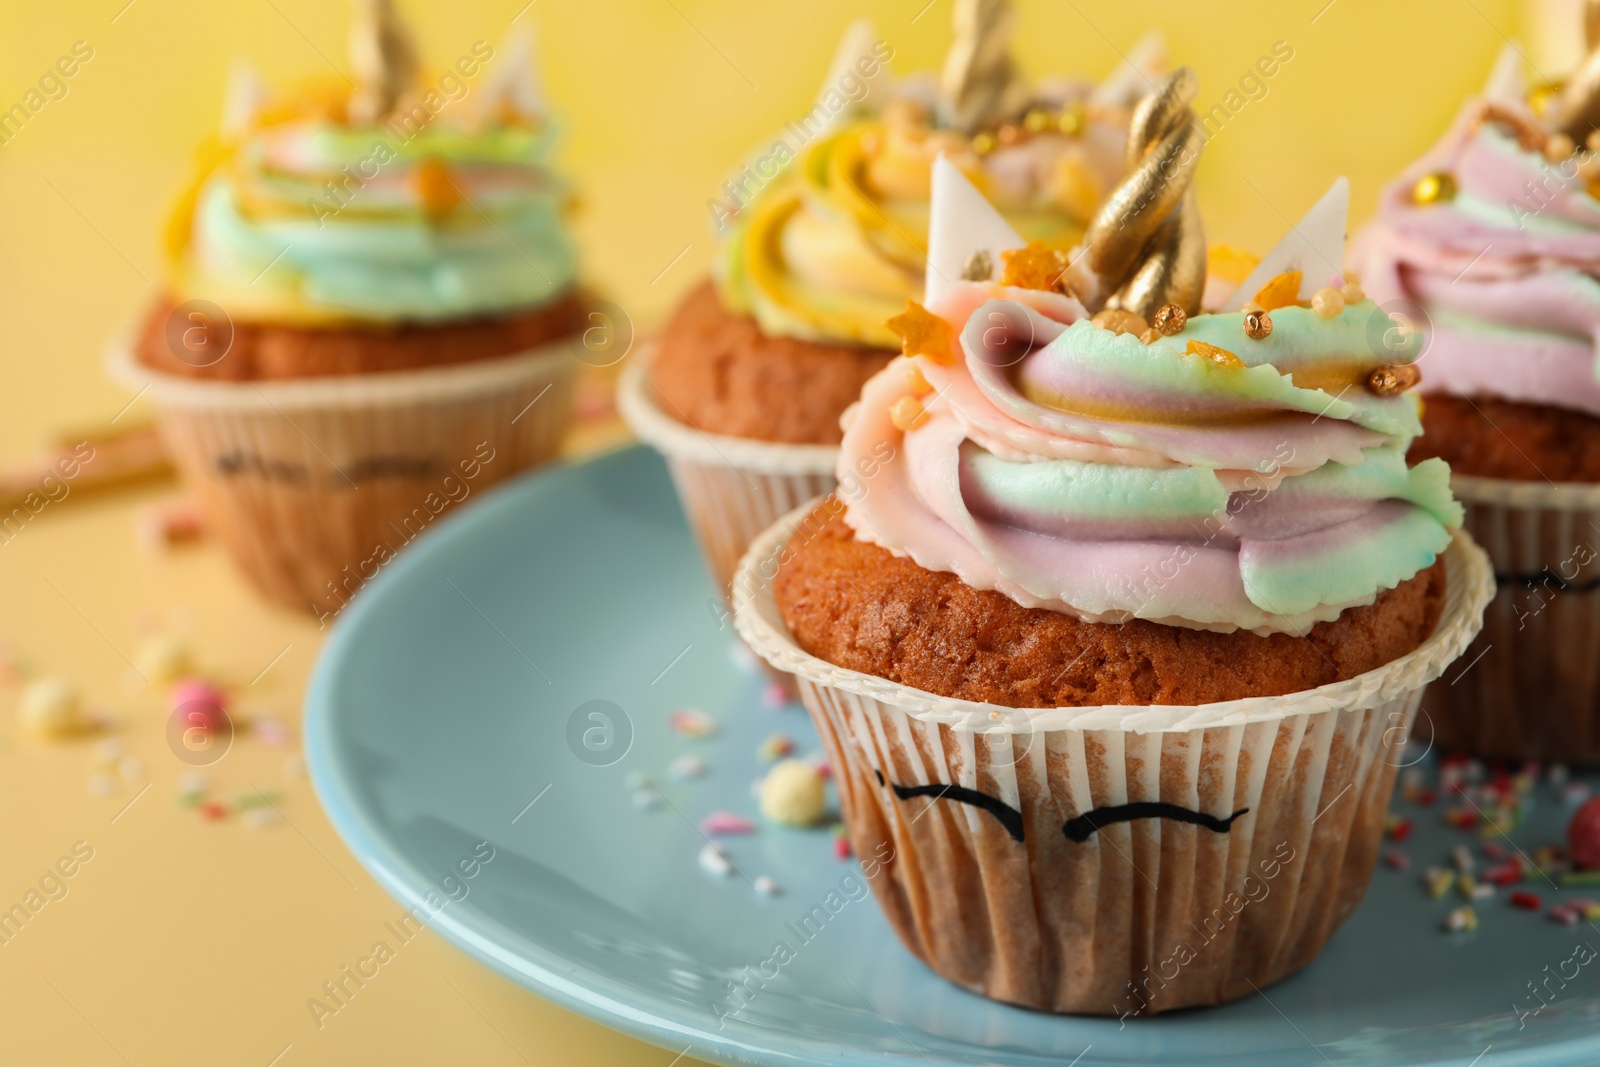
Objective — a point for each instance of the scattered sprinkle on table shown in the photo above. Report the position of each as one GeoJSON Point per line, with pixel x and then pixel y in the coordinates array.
{"type": "Point", "coordinates": [687, 766]}
{"type": "Point", "coordinates": [726, 822]}
{"type": "Point", "coordinates": [692, 722]}
{"type": "Point", "coordinates": [715, 861]}
{"type": "Point", "coordinates": [775, 747]}
{"type": "Point", "coordinates": [767, 887]}
{"type": "Point", "coordinates": [1521, 898]}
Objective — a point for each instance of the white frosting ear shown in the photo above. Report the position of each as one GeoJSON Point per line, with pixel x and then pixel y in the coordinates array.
{"type": "Point", "coordinates": [1144, 66]}
{"type": "Point", "coordinates": [1506, 85]}
{"type": "Point", "coordinates": [242, 99]}
{"type": "Point", "coordinates": [960, 222]}
{"type": "Point", "coordinates": [513, 77]}
{"type": "Point", "coordinates": [1314, 246]}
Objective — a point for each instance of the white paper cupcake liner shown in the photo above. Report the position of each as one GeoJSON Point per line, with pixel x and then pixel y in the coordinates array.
{"type": "Point", "coordinates": [732, 488]}
{"type": "Point", "coordinates": [1529, 687]}
{"type": "Point", "coordinates": [313, 484]}
{"type": "Point", "coordinates": [1141, 914]}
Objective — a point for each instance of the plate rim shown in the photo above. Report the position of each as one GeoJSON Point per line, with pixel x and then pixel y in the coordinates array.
{"type": "Point", "coordinates": [644, 1016]}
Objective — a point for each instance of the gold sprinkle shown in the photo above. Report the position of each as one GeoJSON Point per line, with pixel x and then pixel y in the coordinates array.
{"type": "Point", "coordinates": [1282, 291]}
{"type": "Point", "coordinates": [1150, 336]}
{"type": "Point", "coordinates": [1119, 321]}
{"type": "Point", "coordinates": [983, 143]}
{"type": "Point", "coordinates": [1327, 302]}
{"type": "Point", "coordinates": [907, 413]}
{"type": "Point", "coordinates": [1592, 142]}
{"type": "Point", "coordinates": [1539, 96]}
{"type": "Point", "coordinates": [979, 266]}
{"type": "Point", "coordinates": [1353, 293]}
{"type": "Point", "coordinates": [1037, 120]}
{"type": "Point", "coordinates": [917, 380]}
{"type": "Point", "coordinates": [1170, 319]}
{"type": "Point", "coordinates": [1394, 380]}
{"type": "Point", "coordinates": [1010, 133]}
{"type": "Point", "coordinates": [1257, 325]}
{"type": "Point", "coordinates": [1071, 120]}
{"type": "Point", "coordinates": [1558, 147]}
{"type": "Point", "coordinates": [1037, 266]}
{"type": "Point", "coordinates": [922, 333]}
{"type": "Point", "coordinates": [1220, 356]}
{"type": "Point", "coordinates": [1436, 188]}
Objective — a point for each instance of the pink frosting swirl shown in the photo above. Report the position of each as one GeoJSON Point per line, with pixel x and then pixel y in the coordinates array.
{"type": "Point", "coordinates": [1502, 274]}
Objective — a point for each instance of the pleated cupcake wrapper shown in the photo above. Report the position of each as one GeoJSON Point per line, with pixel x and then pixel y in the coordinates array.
{"type": "Point", "coordinates": [313, 484]}
{"type": "Point", "coordinates": [1529, 687]}
{"type": "Point", "coordinates": [732, 488]}
{"type": "Point", "coordinates": [1031, 903]}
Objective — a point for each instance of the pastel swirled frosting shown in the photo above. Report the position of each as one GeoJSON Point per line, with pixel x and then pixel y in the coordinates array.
{"type": "Point", "coordinates": [836, 245]}
{"type": "Point", "coordinates": [1080, 470]}
{"type": "Point", "coordinates": [440, 213]}
{"type": "Point", "coordinates": [1503, 274]}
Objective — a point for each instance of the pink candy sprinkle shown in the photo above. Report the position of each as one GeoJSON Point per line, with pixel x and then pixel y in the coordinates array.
{"type": "Point", "coordinates": [1563, 914]}
{"type": "Point", "coordinates": [774, 695]}
{"type": "Point", "coordinates": [726, 822]}
{"type": "Point", "coordinates": [841, 848]}
{"type": "Point", "coordinates": [1394, 858]}
{"type": "Point", "coordinates": [692, 722]}
{"type": "Point", "coordinates": [776, 747]}
{"type": "Point", "coordinates": [196, 696]}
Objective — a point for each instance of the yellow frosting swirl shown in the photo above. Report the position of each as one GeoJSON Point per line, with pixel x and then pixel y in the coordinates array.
{"type": "Point", "coordinates": [837, 244]}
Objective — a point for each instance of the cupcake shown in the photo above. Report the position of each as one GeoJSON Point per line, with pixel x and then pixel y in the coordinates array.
{"type": "Point", "coordinates": [1491, 245]}
{"type": "Point", "coordinates": [369, 312]}
{"type": "Point", "coordinates": [1116, 622]}
{"type": "Point", "coordinates": [824, 237]}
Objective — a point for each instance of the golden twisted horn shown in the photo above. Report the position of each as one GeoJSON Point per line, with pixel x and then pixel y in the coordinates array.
{"type": "Point", "coordinates": [1146, 245]}
{"type": "Point", "coordinates": [384, 58]}
{"type": "Point", "coordinates": [980, 86]}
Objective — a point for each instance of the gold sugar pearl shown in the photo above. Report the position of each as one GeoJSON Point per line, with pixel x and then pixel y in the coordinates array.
{"type": "Point", "coordinates": [1257, 325]}
{"type": "Point", "coordinates": [907, 413]}
{"type": "Point", "coordinates": [1009, 134]}
{"type": "Point", "coordinates": [1558, 146]}
{"type": "Point", "coordinates": [1394, 380]}
{"type": "Point", "coordinates": [979, 266]}
{"type": "Point", "coordinates": [1170, 319]}
{"type": "Point", "coordinates": [1592, 142]}
{"type": "Point", "coordinates": [983, 143]}
{"type": "Point", "coordinates": [1327, 302]}
{"type": "Point", "coordinates": [1436, 188]}
{"type": "Point", "coordinates": [1353, 293]}
{"type": "Point", "coordinates": [1037, 120]}
{"type": "Point", "coordinates": [1071, 120]}
{"type": "Point", "coordinates": [917, 380]}
{"type": "Point", "coordinates": [1119, 321]}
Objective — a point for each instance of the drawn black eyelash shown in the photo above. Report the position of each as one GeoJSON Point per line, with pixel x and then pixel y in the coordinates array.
{"type": "Point", "coordinates": [1009, 817]}
{"type": "Point", "coordinates": [1077, 829]}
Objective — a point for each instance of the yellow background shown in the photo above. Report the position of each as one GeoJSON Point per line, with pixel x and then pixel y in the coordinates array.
{"type": "Point", "coordinates": [191, 942]}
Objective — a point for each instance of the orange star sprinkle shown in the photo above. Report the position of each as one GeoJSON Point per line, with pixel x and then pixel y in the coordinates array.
{"type": "Point", "coordinates": [1220, 356]}
{"type": "Point", "coordinates": [1037, 266]}
{"type": "Point", "coordinates": [922, 333]}
{"type": "Point", "coordinates": [1281, 292]}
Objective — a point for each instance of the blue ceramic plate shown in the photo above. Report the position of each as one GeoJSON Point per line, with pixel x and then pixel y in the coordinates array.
{"type": "Point", "coordinates": [452, 734]}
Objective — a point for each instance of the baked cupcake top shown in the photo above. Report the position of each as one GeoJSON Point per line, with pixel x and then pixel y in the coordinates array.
{"type": "Point", "coordinates": [825, 231]}
{"type": "Point", "coordinates": [413, 197]}
{"type": "Point", "coordinates": [1492, 241]}
{"type": "Point", "coordinates": [1221, 471]}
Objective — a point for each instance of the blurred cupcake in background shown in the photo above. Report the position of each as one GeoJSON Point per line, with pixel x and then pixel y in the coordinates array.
{"type": "Point", "coordinates": [1491, 244]}
{"type": "Point", "coordinates": [370, 311]}
{"type": "Point", "coordinates": [824, 236]}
